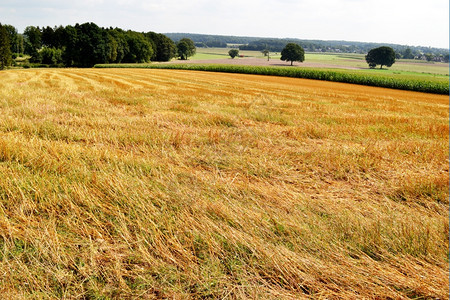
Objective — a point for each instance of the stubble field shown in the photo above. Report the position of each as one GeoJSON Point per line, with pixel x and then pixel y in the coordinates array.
{"type": "Point", "coordinates": [136, 183]}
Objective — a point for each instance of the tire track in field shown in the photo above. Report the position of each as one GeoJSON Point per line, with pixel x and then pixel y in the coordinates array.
{"type": "Point", "coordinates": [83, 82]}
{"type": "Point", "coordinates": [189, 82]}
{"type": "Point", "coordinates": [230, 84]}
{"type": "Point", "coordinates": [113, 81]}
{"type": "Point", "coordinates": [137, 82]}
{"type": "Point", "coordinates": [32, 77]}
{"type": "Point", "coordinates": [238, 85]}
{"type": "Point", "coordinates": [66, 83]}
{"type": "Point", "coordinates": [166, 81]}
{"type": "Point", "coordinates": [167, 84]}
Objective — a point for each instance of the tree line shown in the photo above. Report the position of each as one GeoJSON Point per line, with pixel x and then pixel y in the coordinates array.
{"type": "Point", "coordinates": [87, 44]}
{"type": "Point", "coordinates": [277, 44]}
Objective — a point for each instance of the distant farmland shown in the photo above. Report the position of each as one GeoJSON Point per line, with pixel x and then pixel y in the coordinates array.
{"type": "Point", "coordinates": [415, 75]}
{"type": "Point", "coordinates": [143, 183]}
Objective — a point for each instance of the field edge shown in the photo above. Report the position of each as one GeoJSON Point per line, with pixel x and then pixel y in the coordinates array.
{"type": "Point", "coordinates": [310, 73]}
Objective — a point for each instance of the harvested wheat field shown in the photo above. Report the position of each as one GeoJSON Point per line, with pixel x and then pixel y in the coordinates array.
{"type": "Point", "coordinates": [134, 183]}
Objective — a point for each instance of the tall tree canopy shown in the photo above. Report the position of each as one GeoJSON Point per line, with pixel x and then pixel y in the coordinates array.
{"type": "Point", "coordinates": [5, 48]}
{"type": "Point", "coordinates": [233, 53]}
{"type": "Point", "coordinates": [186, 48]}
{"type": "Point", "coordinates": [293, 52]}
{"type": "Point", "coordinates": [91, 45]}
{"type": "Point", "coordinates": [118, 45]}
{"type": "Point", "coordinates": [383, 56]}
{"type": "Point", "coordinates": [15, 40]}
{"type": "Point", "coordinates": [165, 48]}
{"type": "Point", "coordinates": [33, 42]}
{"type": "Point", "coordinates": [140, 49]}
{"type": "Point", "coordinates": [87, 44]}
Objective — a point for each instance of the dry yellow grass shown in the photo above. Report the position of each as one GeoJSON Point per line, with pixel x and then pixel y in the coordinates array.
{"type": "Point", "coordinates": [175, 184]}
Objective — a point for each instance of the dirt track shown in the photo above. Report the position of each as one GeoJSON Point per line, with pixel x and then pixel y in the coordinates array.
{"type": "Point", "coordinates": [251, 61]}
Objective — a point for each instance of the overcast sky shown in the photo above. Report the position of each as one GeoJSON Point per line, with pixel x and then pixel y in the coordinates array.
{"type": "Point", "coordinates": [407, 22]}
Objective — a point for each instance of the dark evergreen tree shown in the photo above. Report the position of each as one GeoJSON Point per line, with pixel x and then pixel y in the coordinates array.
{"type": "Point", "coordinates": [48, 37]}
{"type": "Point", "coordinates": [69, 41]}
{"type": "Point", "coordinates": [5, 48]}
{"type": "Point", "coordinates": [14, 41]}
{"type": "Point", "coordinates": [58, 37]}
{"type": "Point", "coordinates": [51, 56]}
{"type": "Point", "coordinates": [33, 40]}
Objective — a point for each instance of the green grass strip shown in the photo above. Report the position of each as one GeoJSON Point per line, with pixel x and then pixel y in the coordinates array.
{"type": "Point", "coordinates": [435, 87]}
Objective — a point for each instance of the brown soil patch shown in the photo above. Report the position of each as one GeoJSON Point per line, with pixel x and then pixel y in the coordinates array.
{"type": "Point", "coordinates": [251, 61]}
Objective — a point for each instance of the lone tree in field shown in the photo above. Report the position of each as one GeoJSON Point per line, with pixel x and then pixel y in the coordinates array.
{"type": "Point", "coordinates": [186, 48]}
{"type": "Point", "coordinates": [5, 49]}
{"type": "Point", "coordinates": [233, 53]}
{"type": "Point", "coordinates": [383, 56]}
{"type": "Point", "coordinates": [293, 52]}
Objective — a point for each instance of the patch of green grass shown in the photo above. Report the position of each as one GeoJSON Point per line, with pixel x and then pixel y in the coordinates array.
{"type": "Point", "coordinates": [208, 56]}
{"type": "Point", "coordinates": [355, 60]}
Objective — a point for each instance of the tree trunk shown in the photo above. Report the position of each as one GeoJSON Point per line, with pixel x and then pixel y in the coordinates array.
{"type": "Point", "coordinates": [292, 62]}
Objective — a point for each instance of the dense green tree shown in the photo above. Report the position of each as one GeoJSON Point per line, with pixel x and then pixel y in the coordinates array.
{"type": "Point", "coordinates": [14, 42]}
{"type": "Point", "coordinates": [51, 56]}
{"type": "Point", "coordinates": [233, 53]}
{"type": "Point", "coordinates": [48, 36]}
{"type": "Point", "coordinates": [33, 39]}
{"type": "Point", "coordinates": [140, 49]}
{"type": "Point", "coordinates": [182, 48]}
{"type": "Point", "coordinates": [293, 52]}
{"type": "Point", "coordinates": [91, 46]}
{"type": "Point", "coordinates": [69, 41]}
{"type": "Point", "coordinates": [118, 45]}
{"type": "Point", "coordinates": [20, 44]}
{"type": "Point", "coordinates": [5, 48]}
{"type": "Point", "coordinates": [383, 56]}
{"type": "Point", "coordinates": [87, 44]}
{"type": "Point", "coordinates": [58, 37]}
{"type": "Point", "coordinates": [186, 48]}
{"type": "Point", "coordinates": [407, 54]}
{"type": "Point", "coordinates": [165, 48]}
